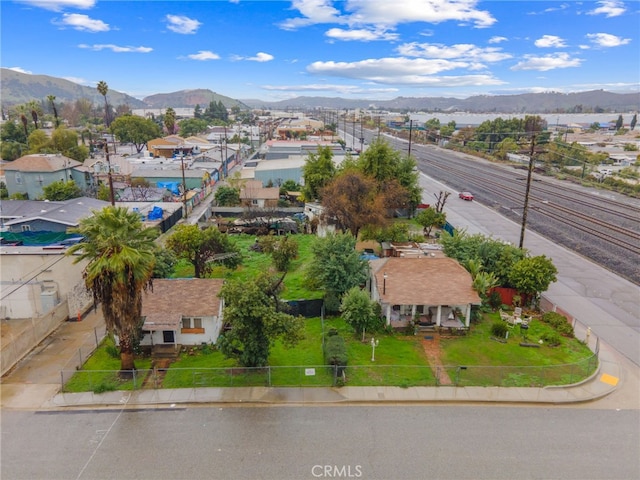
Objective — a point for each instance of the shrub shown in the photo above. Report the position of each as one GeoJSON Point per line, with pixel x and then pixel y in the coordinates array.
{"type": "Point", "coordinates": [551, 338]}
{"type": "Point", "coordinates": [495, 301]}
{"type": "Point", "coordinates": [112, 351]}
{"type": "Point", "coordinates": [104, 387]}
{"type": "Point", "coordinates": [335, 352]}
{"type": "Point", "coordinates": [499, 329]}
{"type": "Point", "coordinates": [559, 323]}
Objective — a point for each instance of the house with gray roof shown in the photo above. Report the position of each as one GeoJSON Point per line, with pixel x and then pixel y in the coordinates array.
{"type": "Point", "coordinates": [29, 174]}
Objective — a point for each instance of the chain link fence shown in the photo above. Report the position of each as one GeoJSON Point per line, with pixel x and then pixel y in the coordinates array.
{"type": "Point", "coordinates": [329, 376]}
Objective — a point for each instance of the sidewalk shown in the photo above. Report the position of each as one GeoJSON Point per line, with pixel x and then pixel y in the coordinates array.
{"type": "Point", "coordinates": [35, 384]}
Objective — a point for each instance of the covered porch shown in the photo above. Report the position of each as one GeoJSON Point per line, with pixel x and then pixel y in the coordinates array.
{"type": "Point", "coordinates": [455, 316]}
{"type": "Point", "coordinates": [161, 330]}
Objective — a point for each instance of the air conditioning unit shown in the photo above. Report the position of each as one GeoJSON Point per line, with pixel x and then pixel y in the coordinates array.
{"type": "Point", "coordinates": [49, 299]}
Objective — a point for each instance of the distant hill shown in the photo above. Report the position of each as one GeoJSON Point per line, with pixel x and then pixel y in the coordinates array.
{"type": "Point", "coordinates": [191, 98]}
{"type": "Point", "coordinates": [524, 103]}
{"type": "Point", "coordinates": [17, 88]}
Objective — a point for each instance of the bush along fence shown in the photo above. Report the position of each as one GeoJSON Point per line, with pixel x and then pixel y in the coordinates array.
{"type": "Point", "coordinates": [100, 381]}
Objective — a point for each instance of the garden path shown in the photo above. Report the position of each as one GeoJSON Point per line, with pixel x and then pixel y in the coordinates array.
{"type": "Point", "coordinates": [432, 348]}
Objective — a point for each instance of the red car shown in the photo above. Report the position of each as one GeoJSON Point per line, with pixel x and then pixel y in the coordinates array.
{"type": "Point", "coordinates": [466, 196]}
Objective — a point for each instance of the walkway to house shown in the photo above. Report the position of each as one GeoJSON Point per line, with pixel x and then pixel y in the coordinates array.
{"type": "Point", "coordinates": [431, 345]}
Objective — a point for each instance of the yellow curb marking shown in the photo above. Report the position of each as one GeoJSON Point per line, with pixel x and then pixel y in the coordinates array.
{"type": "Point", "coordinates": [610, 379]}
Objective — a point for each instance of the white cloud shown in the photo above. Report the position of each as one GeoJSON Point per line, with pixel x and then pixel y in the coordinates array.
{"type": "Point", "coordinates": [547, 62]}
{"type": "Point", "coordinates": [258, 57]}
{"type": "Point", "coordinates": [363, 35]}
{"type": "Point", "coordinates": [115, 48]}
{"type": "Point", "coordinates": [82, 23]}
{"type": "Point", "coordinates": [607, 40]}
{"type": "Point", "coordinates": [548, 41]}
{"type": "Point", "coordinates": [403, 71]}
{"type": "Point", "coordinates": [385, 12]}
{"type": "Point", "coordinates": [498, 39]}
{"type": "Point", "coordinates": [464, 51]}
{"type": "Point", "coordinates": [203, 55]}
{"type": "Point", "coordinates": [314, 12]}
{"type": "Point", "coordinates": [609, 8]}
{"type": "Point", "coordinates": [20, 70]}
{"type": "Point", "coordinates": [182, 24]}
{"type": "Point", "coordinates": [388, 13]}
{"type": "Point", "coordinates": [60, 5]}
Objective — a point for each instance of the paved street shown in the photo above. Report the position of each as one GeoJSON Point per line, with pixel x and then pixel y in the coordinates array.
{"type": "Point", "coordinates": [279, 443]}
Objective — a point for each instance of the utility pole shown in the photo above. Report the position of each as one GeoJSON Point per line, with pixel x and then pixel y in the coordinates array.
{"type": "Point", "coordinates": [106, 152]}
{"type": "Point", "coordinates": [528, 189]}
{"type": "Point", "coordinates": [410, 130]}
{"type": "Point", "coordinates": [184, 186]}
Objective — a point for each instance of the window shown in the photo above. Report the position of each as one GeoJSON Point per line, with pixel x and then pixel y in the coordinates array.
{"type": "Point", "coordinates": [254, 202]}
{"type": "Point", "coordinates": [192, 325]}
{"type": "Point", "coordinates": [26, 228]}
{"type": "Point", "coordinates": [18, 178]}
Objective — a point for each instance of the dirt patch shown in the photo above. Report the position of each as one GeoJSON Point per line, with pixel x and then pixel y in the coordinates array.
{"type": "Point", "coordinates": [431, 346]}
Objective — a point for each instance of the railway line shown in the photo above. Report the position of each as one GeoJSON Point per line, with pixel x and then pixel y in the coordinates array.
{"type": "Point", "coordinates": [598, 226]}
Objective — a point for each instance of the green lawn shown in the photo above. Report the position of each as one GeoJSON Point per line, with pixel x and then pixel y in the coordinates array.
{"type": "Point", "coordinates": [399, 361]}
{"type": "Point", "coordinates": [490, 362]}
{"type": "Point", "coordinates": [100, 372]}
{"type": "Point", "coordinates": [254, 262]}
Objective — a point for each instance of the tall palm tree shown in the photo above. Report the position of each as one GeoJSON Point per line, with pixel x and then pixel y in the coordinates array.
{"type": "Point", "coordinates": [103, 88]}
{"type": "Point", "coordinates": [34, 115]}
{"type": "Point", "coordinates": [52, 101]}
{"type": "Point", "coordinates": [120, 251]}
{"type": "Point", "coordinates": [25, 123]}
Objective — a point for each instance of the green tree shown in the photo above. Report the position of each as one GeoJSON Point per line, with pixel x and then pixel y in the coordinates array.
{"type": "Point", "coordinates": [11, 150]}
{"type": "Point", "coordinates": [120, 254]}
{"type": "Point", "coordinates": [227, 196]}
{"type": "Point", "coordinates": [317, 172]}
{"type": "Point", "coordinates": [256, 320]}
{"type": "Point", "coordinates": [359, 311]}
{"type": "Point", "coordinates": [533, 275]}
{"type": "Point", "coordinates": [170, 120]}
{"type": "Point", "coordinates": [166, 261]}
{"type": "Point", "coordinates": [203, 247]}
{"type": "Point", "coordinates": [284, 252]}
{"type": "Point", "coordinates": [634, 120]}
{"type": "Point", "coordinates": [61, 190]}
{"type": "Point", "coordinates": [619, 122]}
{"type": "Point", "coordinates": [136, 130]}
{"type": "Point", "coordinates": [39, 142]}
{"type": "Point", "coordinates": [192, 126]}
{"type": "Point", "coordinates": [429, 218]}
{"type": "Point", "coordinates": [336, 267]}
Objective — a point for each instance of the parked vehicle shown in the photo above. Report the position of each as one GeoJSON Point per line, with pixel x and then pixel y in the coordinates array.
{"type": "Point", "coordinates": [466, 196]}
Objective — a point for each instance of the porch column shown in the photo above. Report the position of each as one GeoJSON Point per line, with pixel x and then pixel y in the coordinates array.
{"type": "Point", "coordinates": [388, 314]}
{"type": "Point", "coordinates": [467, 317]}
{"type": "Point", "coordinates": [414, 308]}
{"type": "Point", "coordinates": [438, 315]}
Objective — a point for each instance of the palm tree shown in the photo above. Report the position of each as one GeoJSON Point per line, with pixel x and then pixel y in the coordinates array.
{"type": "Point", "coordinates": [121, 258]}
{"type": "Point", "coordinates": [52, 101]}
{"type": "Point", "coordinates": [34, 115]}
{"type": "Point", "coordinates": [103, 88]}
{"type": "Point", "coordinates": [25, 122]}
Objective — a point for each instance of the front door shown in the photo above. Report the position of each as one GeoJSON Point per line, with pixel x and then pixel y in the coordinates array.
{"type": "Point", "coordinates": [168, 336]}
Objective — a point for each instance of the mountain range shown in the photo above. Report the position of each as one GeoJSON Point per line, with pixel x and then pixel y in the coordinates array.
{"type": "Point", "coordinates": [18, 88]}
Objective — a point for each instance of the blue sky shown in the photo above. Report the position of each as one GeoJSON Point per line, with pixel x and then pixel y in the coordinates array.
{"type": "Point", "coordinates": [369, 49]}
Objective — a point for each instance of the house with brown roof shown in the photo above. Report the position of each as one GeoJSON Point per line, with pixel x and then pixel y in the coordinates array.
{"type": "Point", "coordinates": [182, 311]}
{"type": "Point", "coordinates": [431, 290]}
{"type": "Point", "coordinates": [253, 194]}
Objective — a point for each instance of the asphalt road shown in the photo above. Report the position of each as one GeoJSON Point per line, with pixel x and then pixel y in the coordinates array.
{"type": "Point", "coordinates": [409, 442]}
